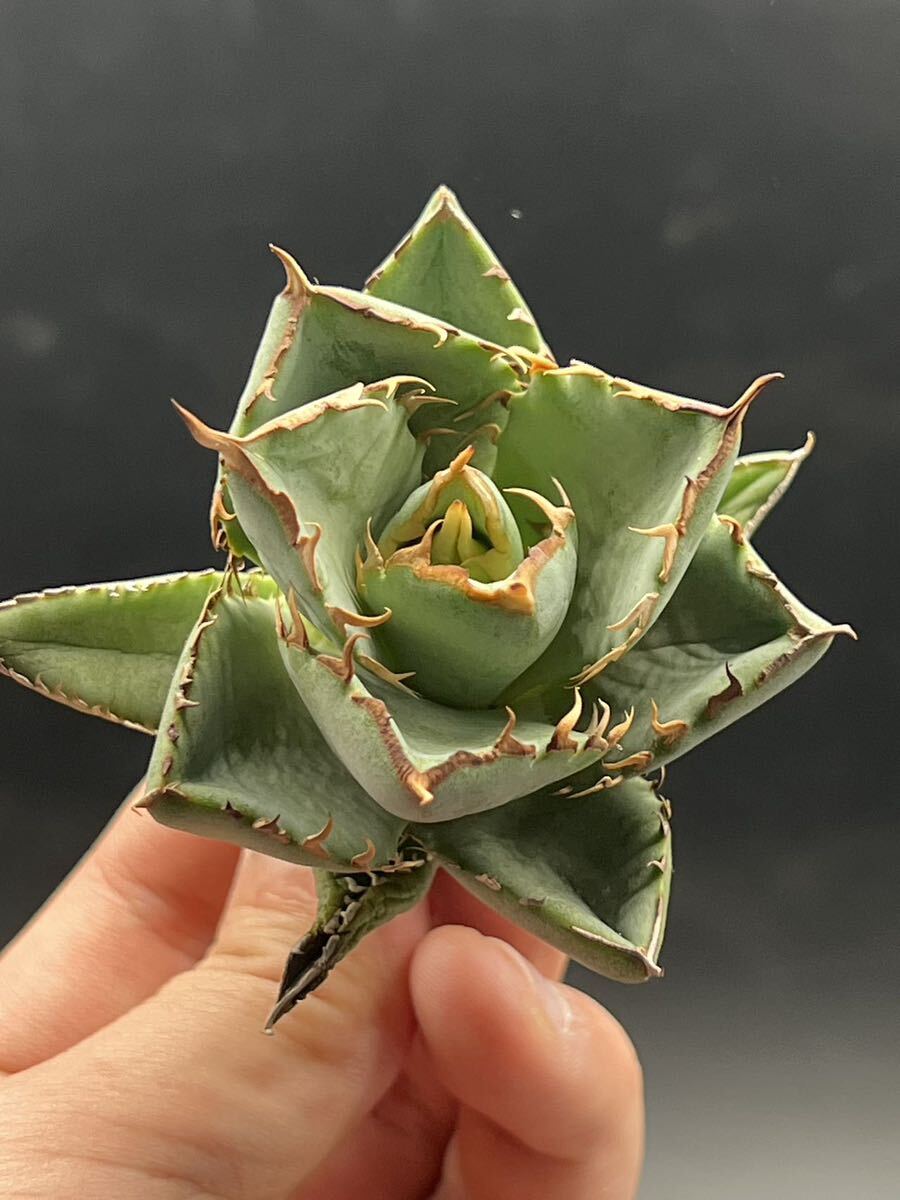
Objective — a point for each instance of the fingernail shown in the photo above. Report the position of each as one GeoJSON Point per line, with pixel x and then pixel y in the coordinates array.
{"type": "Point", "coordinates": [550, 996]}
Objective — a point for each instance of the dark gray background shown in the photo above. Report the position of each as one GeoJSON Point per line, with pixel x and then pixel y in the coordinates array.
{"type": "Point", "coordinates": [707, 191]}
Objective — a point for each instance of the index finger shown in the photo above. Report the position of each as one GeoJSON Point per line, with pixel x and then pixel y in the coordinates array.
{"type": "Point", "coordinates": [451, 904]}
{"type": "Point", "coordinates": [142, 905]}
{"type": "Point", "coordinates": [548, 1083]}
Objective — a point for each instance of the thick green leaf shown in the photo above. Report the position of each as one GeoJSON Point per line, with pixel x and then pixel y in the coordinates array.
{"type": "Point", "coordinates": [758, 482]}
{"type": "Point", "coordinates": [424, 761]}
{"type": "Point", "coordinates": [319, 340]}
{"type": "Point", "coordinates": [239, 758]}
{"type": "Point", "coordinates": [305, 484]}
{"type": "Point", "coordinates": [589, 875]}
{"type": "Point", "coordinates": [463, 650]}
{"type": "Point", "coordinates": [631, 460]}
{"type": "Point", "coordinates": [322, 339]}
{"type": "Point", "coordinates": [443, 266]}
{"type": "Point", "coordinates": [470, 611]}
{"type": "Point", "coordinates": [731, 638]}
{"type": "Point", "coordinates": [107, 649]}
{"type": "Point", "coordinates": [481, 521]}
{"type": "Point", "coordinates": [350, 907]}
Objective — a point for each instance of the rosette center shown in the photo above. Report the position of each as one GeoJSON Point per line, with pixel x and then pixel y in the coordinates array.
{"type": "Point", "coordinates": [458, 519]}
{"type": "Point", "coordinates": [471, 610]}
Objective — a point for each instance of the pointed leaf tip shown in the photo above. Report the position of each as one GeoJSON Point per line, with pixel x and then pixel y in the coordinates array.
{"type": "Point", "coordinates": [591, 878]}
{"type": "Point", "coordinates": [443, 197]}
{"type": "Point", "coordinates": [759, 481]}
{"type": "Point", "coordinates": [443, 266]}
{"type": "Point", "coordinates": [739, 409]}
{"type": "Point", "coordinates": [108, 650]}
{"type": "Point", "coordinates": [202, 433]}
{"type": "Point", "coordinates": [297, 285]}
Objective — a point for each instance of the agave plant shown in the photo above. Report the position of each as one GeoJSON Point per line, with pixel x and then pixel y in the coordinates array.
{"type": "Point", "coordinates": [473, 602]}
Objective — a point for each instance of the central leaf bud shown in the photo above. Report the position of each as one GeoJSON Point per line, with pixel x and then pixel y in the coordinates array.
{"type": "Point", "coordinates": [457, 519]}
{"type": "Point", "coordinates": [456, 544]}
{"type": "Point", "coordinates": [470, 609]}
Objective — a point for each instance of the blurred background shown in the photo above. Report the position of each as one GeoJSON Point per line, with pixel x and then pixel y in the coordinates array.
{"type": "Point", "coordinates": [689, 194]}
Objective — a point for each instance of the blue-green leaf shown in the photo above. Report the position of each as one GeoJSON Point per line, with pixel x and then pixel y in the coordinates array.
{"type": "Point", "coordinates": [443, 266]}
{"type": "Point", "coordinates": [590, 875]}
{"type": "Point", "coordinates": [644, 471]}
{"type": "Point", "coordinates": [758, 482]}
{"type": "Point", "coordinates": [106, 649]}
{"type": "Point", "coordinates": [731, 638]}
{"type": "Point", "coordinates": [239, 758]}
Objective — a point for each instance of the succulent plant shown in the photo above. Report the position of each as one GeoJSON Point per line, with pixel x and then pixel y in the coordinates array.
{"type": "Point", "coordinates": [472, 600]}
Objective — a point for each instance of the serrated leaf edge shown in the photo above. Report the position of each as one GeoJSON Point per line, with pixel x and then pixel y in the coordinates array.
{"type": "Point", "coordinates": [796, 458]}
{"type": "Point", "coordinates": [73, 701]}
{"type": "Point", "coordinates": [268, 827]}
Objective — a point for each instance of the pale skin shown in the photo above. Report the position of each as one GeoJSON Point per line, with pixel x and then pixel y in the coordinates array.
{"type": "Point", "coordinates": [443, 1059]}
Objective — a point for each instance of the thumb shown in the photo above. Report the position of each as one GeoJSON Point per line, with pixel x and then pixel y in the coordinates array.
{"type": "Point", "coordinates": [205, 1095]}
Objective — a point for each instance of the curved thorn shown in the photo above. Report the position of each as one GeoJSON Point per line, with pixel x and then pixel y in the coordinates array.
{"type": "Point", "coordinates": [617, 732]}
{"type": "Point", "coordinates": [563, 494]}
{"type": "Point", "coordinates": [391, 383]}
{"type": "Point", "coordinates": [562, 735]}
{"type": "Point", "coordinates": [462, 460]}
{"type": "Point", "coordinates": [641, 613]}
{"type": "Point", "coordinates": [602, 785]}
{"type": "Point", "coordinates": [270, 827]}
{"type": "Point", "coordinates": [297, 286]}
{"type": "Point", "coordinates": [219, 511]}
{"type": "Point", "coordinates": [501, 396]}
{"type": "Point", "coordinates": [417, 783]}
{"type": "Point", "coordinates": [297, 636]}
{"type": "Point", "coordinates": [439, 431]}
{"type": "Point", "coordinates": [491, 430]}
{"type": "Point", "coordinates": [394, 678]}
{"type": "Point", "coordinates": [203, 434]}
{"type": "Point", "coordinates": [342, 617]}
{"type": "Point", "coordinates": [506, 743]}
{"type": "Point", "coordinates": [641, 761]}
{"type": "Point", "coordinates": [741, 405]}
{"type": "Point", "coordinates": [342, 667]}
{"type": "Point", "coordinates": [559, 518]}
{"type": "Point", "coordinates": [592, 670]}
{"type": "Point", "coordinates": [734, 526]}
{"type": "Point", "coordinates": [314, 844]}
{"type": "Point", "coordinates": [372, 551]}
{"type": "Point", "coordinates": [597, 741]}
{"type": "Point", "coordinates": [593, 723]}
{"type": "Point", "coordinates": [366, 857]}
{"type": "Point", "coordinates": [847, 630]}
{"type": "Point", "coordinates": [419, 551]}
{"type": "Point", "coordinates": [413, 401]}
{"type": "Point", "coordinates": [669, 533]}
{"type": "Point", "coordinates": [307, 544]}
{"type": "Point", "coordinates": [669, 731]}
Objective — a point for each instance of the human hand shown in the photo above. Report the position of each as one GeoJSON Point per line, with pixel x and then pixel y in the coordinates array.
{"type": "Point", "coordinates": [438, 1062]}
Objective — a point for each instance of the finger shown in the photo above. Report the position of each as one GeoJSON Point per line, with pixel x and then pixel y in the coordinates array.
{"type": "Point", "coordinates": [400, 1144]}
{"type": "Point", "coordinates": [451, 904]}
{"type": "Point", "coordinates": [187, 1088]}
{"type": "Point", "coordinates": [451, 1185]}
{"type": "Point", "coordinates": [142, 905]}
{"type": "Point", "coordinates": [549, 1083]}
